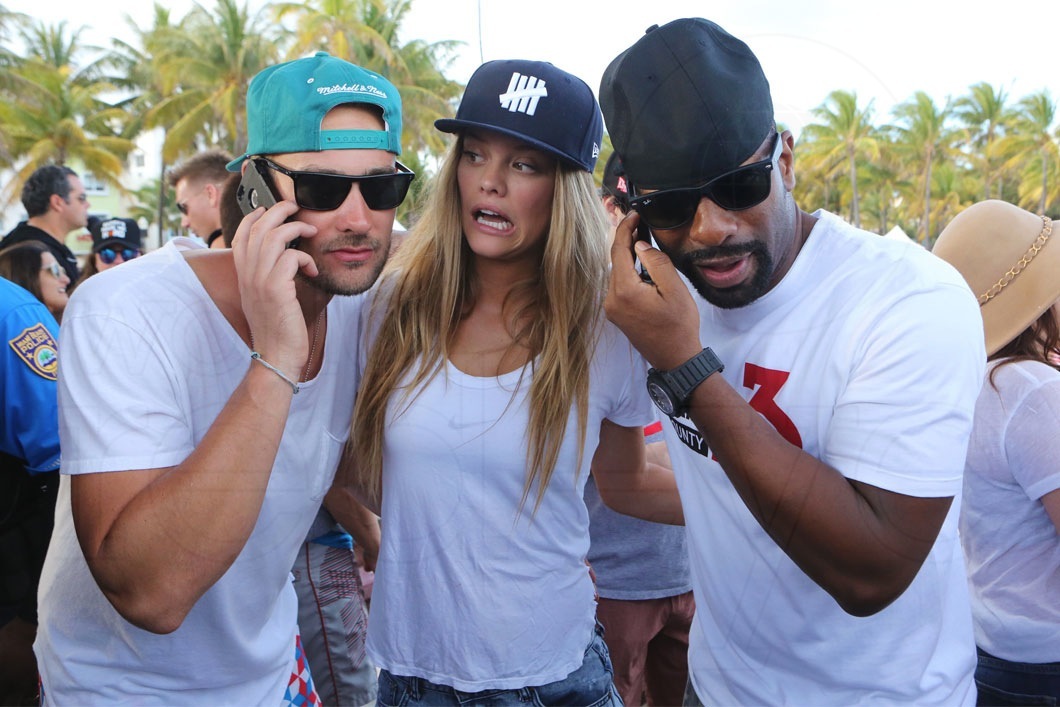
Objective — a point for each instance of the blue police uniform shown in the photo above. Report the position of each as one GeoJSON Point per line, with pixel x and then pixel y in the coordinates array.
{"type": "Point", "coordinates": [29, 446]}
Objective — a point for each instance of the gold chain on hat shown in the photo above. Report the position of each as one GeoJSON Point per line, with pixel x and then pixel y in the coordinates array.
{"type": "Point", "coordinates": [1023, 262]}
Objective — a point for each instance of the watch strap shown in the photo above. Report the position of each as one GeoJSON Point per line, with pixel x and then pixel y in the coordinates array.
{"type": "Point", "coordinates": [684, 379]}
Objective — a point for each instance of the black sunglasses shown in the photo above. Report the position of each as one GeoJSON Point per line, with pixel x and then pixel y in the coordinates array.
{"type": "Point", "coordinates": [109, 255]}
{"type": "Point", "coordinates": [319, 191]}
{"type": "Point", "coordinates": [735, 190]}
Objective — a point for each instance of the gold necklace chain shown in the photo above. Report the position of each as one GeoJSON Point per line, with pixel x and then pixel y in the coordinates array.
{"type": "Point", "coordinates": [312, 348]}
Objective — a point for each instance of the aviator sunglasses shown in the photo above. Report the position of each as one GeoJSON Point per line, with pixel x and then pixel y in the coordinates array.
{"type": "Point", "coordinates": [319, 191]}
{"type": "Point", "coordinates": [109, 255]}
{"type": "Point", "coordinates": [735, 190]}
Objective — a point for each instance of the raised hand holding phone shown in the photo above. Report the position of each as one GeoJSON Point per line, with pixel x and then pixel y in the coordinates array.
{"type": "Point", "coordinates": [255, 190]}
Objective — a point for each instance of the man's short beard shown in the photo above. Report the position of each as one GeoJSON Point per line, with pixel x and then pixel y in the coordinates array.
{"type": "Point", "coordinates": [730, 297]}
{"type": "Point", "coordinates": [334, 284]}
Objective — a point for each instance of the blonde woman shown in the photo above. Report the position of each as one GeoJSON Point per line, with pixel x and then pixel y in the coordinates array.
{"type": "Point", "coordinates": [493, 383]}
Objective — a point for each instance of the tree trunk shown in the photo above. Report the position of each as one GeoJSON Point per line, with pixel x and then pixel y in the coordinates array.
{"type": "Point", "coordinates": [855, 211]}
{"type": "Point", "coordinates": [1045, 182]}
{"type": "Point", "coordinates": [161, 197]}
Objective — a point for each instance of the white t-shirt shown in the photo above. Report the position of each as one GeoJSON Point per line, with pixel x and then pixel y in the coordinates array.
{"type": "Point", "coordinates": [1010, 542]}
{"type": "Point", "coordinates": [148, 362]}
{"type": "Point", "coordinates": [869, 356]}
{"type": "Point", "coordinates": [468, 592]}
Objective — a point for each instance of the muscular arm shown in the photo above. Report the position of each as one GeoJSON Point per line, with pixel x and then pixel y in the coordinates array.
{"type": "Point", "coordinates": [157, 539]}
{"type": "Point", "coordinates": [861, 544]}
{"type": "Point", "coordinates": [628, 482]}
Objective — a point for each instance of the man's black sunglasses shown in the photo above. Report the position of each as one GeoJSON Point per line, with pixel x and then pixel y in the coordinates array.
{"type": "Point", "coordinates": [320, 191]}
{"type": "Point", "coordinates": [735, 190]}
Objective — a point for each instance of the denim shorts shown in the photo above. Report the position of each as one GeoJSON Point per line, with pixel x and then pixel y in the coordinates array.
{"type": "Point", "coordinates": [591, 685]}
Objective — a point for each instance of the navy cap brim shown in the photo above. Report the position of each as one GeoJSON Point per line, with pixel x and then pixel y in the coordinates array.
{"type": "Point", "coordinates": [452, 125]}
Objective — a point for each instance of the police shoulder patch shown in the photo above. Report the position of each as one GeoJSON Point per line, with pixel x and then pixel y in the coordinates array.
{"type": "Point", "coordinates": [36, 347]}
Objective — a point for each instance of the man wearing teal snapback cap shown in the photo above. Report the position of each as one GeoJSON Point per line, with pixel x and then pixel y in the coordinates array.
{"type": "Point", "coordinates": [196, 465]}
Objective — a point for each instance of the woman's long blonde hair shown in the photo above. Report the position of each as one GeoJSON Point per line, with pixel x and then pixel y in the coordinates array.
{"type": "Point", "coordinates": [429, 286]}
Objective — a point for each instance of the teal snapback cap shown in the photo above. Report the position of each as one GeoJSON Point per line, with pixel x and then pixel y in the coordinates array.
{"type": "Point", "coordinates": [287, 102]}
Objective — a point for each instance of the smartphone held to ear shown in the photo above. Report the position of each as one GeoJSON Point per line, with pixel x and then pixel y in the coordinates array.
{"type": "Point", "coordinates": [255, 190]}
{"type": "Point", "coordinates": [643, 234]}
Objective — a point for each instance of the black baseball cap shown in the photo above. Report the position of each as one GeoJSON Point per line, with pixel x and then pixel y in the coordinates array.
{"type": "Point", "coordinates": [536, 102]}
{"type": "Point", "coordinates": [685, 103]}
{"type": "Point", "coordinates": [114, 232]}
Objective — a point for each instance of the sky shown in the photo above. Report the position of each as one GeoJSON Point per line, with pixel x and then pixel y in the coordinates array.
{"type": "Point", "coordinates": [884, 51]}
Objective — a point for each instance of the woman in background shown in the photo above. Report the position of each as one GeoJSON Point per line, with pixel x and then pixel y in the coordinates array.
{"type": "Point", "coordinates": [1010, 513]}
{"type": "Point", "coordinates": [33, 267]}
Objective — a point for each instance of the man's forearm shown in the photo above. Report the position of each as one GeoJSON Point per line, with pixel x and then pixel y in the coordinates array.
{"type": "Point", "coordinates": [861, 544]}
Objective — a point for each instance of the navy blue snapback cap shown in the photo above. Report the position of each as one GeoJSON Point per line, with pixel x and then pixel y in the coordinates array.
{"type": "Point", "coordinates": [536, 102]}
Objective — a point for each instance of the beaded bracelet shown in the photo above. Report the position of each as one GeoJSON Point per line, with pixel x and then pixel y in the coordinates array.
{"type": "Point", "coordinates": [255, 356]}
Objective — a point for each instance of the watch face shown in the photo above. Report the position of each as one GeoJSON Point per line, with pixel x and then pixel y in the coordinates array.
{"type": "Point", "coordinates": [661, 398]}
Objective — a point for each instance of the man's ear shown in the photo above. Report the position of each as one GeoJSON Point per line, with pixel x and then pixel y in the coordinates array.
{"type": "Point", "coordinates": [786, 161]}
{"type": "Point", "coordinates": [213, 194]}
{"type": "Point", "coordinates": [56, 202]}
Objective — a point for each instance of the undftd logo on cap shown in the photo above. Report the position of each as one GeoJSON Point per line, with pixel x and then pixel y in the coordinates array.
{"type": "Point", "coordinates": [112, 229]}
{"type": "Point", "coordinates": [523, 94]}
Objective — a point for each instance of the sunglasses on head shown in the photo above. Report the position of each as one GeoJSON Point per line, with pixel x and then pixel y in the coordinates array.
{"type": "Point", "coordinates": [735, 190]}
{"type": "Point", "coordinates": [109, 255]}
{"type": "Point", "coordinates": [55, 269]}
{"type": "Point", "coordinates": [321, 191]}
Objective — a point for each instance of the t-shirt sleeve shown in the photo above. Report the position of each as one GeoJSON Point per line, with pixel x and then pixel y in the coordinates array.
{"type": "Point", "coordinates": [904, 419]}
{"type": "Point", "coordinates": [1032, 440]}
{"type": "Point", "coordinates": [30, 364]}
{"type": "Point", "coordinates": [119, 401]}
{"type": "Point", "coordinates": [624, 374]}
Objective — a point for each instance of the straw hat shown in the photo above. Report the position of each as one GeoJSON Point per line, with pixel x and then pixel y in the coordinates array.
{"type": "Point", "coordinates": [1011, 260]}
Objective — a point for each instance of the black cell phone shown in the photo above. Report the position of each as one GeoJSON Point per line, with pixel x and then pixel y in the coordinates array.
{"type": "Point", "coordinates": [255, 189]}
{"type": "Point", "coordinates": [643, 234]}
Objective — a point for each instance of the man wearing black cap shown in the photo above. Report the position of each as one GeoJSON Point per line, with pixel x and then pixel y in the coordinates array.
{"type": "Point", "coordinates": [817, 448]}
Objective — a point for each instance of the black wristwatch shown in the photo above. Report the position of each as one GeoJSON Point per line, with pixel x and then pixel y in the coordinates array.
{"type": "Point", "coordinates": [671, 389]}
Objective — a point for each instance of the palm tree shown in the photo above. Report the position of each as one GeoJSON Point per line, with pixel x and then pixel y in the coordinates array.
{"type": "Point", "coordinates": [845, 137]}
{"type": "Point", "coordinates": [139, 70]}
{"type": "Point", "coordinates": [60, 115]}
{"type": "Point", "coordinates": [954, 189]}
{"type": "Point", "coordinates": [924, 139]}
{"type": "Point", "coordinates": [334, 26]}
{"type": "Point", "coordinates": [209, 62]}
{"type": "Point", "coordinates": [1031, 150]}
{"type": "Point", "coordinates": [986, 115]}
{"type": "Point", "coordinates": [148, 207]}
{"type": "Point", "coordinates": [817, 182]}
{"type": "Point", "coordinates": [9, 59]}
